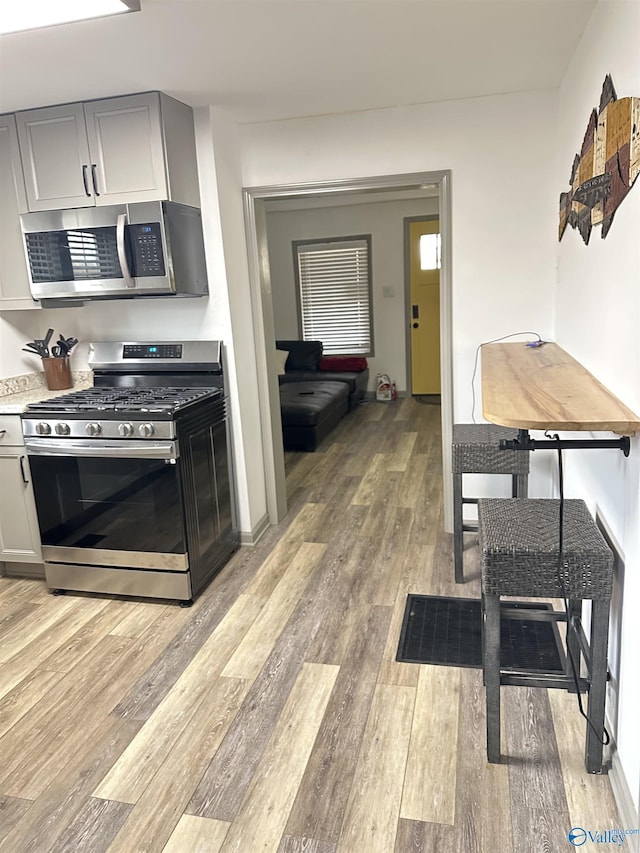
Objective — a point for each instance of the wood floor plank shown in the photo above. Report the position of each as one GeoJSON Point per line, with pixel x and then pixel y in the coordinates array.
{"type": "Point", "coordinates": [430, 781]}
{"type": "Point", "coordinates": [257, 644]}
{"type": "Point", "coordinates": [587, 793]}
{"type": "Point", "coordinates": [399, 459]}
{"type": "Point", "coordinates": [41, 650]}
{"type": "Point", "coordinates": [483, 815]}
{"type": "Point", "coordinates": [69, 790]}
{"type": "Point", "coordinates": [94, 828]}
{"type": "Point", "coordinates": [372, 814]}
{"type": "Point", "coordinates": [139, 617]}
{"type": "Point", "coordinates": [319, 808]}
{"type": "Point", "coordinates": [413, 479]}
{"type": "Point", "coordinates": [12, 810]}
{"type": "Point", "coordinates": [415, 836]}
{"type": "Point", "coordinates": [538, 804]}
{"type": "Point", "coordinates": [390, 559]}
{"type": "Point", "coordinates": [158, 810]}
{"type": "Point", "coordinates": [391, 671]}
{"type": "Point", "coordinates": [140, 762]}
{"type": "Point", "coordinates": [276, 564]}
{"type": "Point", "coordinates": [263, 816]}
{"type": "Point", "coordinates": [197, 835]}
{"type": "Point", "coordinates": [370, 489]}
{"type": "Point", "coordinates": [158, 680]}
{"type": "Point", "coordinates": [291, 844]}
{"type": "Point", "coordinates": [40, 619]}
{"type": "Point", "coordinates": [19, 701]}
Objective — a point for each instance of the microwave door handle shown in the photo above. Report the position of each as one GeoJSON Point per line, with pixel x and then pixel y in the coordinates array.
{"type": "Point", "coordinates": [122, 253]}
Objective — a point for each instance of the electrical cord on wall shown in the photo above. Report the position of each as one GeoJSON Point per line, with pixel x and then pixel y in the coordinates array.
{"type": "Point", "coordinates": [535, 343]}
{"type": "Point", "coordinates": [605, 740]}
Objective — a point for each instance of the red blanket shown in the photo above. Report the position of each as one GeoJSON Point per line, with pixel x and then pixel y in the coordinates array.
{"type": "Point", "coordinates": [340, 363]}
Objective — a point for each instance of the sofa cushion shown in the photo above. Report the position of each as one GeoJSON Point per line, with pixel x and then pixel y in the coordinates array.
{"type": "Point", "coordinates": [303, 355]}
{"type": "Point", "coordinates": [309, 403]}
{"type": "Point", "coordinates": [353, 363]}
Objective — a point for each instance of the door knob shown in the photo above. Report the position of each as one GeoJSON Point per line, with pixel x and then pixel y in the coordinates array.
{"type": "Point", "coordinates": [415, 325]}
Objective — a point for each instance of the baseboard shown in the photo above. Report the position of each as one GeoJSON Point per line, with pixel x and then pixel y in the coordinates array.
{"type": "Point", "coordinates": [251, 537]}
{"type": "Point", "coordinates": [629, 818]}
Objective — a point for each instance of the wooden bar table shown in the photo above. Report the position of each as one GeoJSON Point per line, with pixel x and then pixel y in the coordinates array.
{"type": "Point", "coordinates": [543, 387]}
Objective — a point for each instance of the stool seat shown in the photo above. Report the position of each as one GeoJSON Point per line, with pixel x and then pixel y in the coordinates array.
{"type": "Point", "coordinates": [519, 543]}
{"type": "Point", "coordinates": [475, 449]}
{"type": "Point", "coordinates": [519, 547]}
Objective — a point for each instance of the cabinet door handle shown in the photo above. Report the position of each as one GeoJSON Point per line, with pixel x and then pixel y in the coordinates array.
{"type": "Point", "coordinates": [94, 178]}
{"type": "Point", "coordinates": [85, 181]}
{"type": "Point", "coordinates": [24, 478]}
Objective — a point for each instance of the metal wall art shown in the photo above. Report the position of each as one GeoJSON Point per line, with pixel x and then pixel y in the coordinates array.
{"type": "Point", "coordinates": [607, 166]}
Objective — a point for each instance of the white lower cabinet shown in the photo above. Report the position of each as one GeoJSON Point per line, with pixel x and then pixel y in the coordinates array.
{"type": "Point", "coordinates": [19, 533]}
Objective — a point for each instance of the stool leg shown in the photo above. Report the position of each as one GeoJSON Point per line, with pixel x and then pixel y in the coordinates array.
{"type": "Point", "coordinates": [519, 485]}
{"type": "Point", "coordinates": [458, 543]}
{"type": "Point", "coordinates": [492, 675]}
{"type": "Point", "coordinates": [598, 685]}
{"type": "Point", "coordinates": [573, 644]}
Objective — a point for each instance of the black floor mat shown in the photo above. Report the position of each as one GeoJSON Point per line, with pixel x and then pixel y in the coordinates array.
{"type": "Point", "coordinates": [448, 631]}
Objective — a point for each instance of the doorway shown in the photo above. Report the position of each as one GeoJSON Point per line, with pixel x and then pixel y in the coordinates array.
{"type": "Point", "coordinates": [422, 270]}
{"type": "Point", "coordinates": [263, 321]}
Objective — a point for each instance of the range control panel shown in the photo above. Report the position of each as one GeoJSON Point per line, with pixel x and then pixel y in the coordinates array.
{"type": "Point", "coordinates": [152, 351]}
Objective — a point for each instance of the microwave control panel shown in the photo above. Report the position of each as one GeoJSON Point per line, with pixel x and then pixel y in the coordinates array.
{"type": "Point", "coordinates": [146, 246]}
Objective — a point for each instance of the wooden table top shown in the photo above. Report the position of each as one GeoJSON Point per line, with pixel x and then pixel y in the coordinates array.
{"type": "Point", "coordinates": [545, 388]}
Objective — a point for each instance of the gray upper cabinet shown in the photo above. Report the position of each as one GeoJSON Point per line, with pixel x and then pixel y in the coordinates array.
{"type": "Point", "coordinates": [14, 282]}
{"type": "Point", "coordinates": [111, 151]}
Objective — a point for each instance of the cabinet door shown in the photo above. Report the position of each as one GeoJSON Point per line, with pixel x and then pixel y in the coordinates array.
{"type": "Point", "coordinates": [127, 149]}
{"type": "Point", "coordinates": [14, 281]}
{"type": "Point", "coordinates": [55, 157]}
{"type": "Point", "coordinates": [19, 534]}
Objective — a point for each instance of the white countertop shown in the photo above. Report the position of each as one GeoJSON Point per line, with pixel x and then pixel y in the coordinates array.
{"type": "Point", "coordinates": [16, 393]}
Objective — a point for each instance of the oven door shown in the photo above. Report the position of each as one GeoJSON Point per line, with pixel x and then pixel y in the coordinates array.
{"type": "Point", "coordinates": [109, 503]}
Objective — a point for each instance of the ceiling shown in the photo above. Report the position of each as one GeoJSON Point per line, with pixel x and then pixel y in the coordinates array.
{"type": "Point", "coordinates": [275, 59]}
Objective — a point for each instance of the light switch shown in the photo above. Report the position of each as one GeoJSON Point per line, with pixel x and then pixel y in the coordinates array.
{"type": "Point", "coordinates": [388, 291]}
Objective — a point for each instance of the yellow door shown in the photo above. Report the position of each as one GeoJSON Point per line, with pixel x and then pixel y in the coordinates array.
{"type": "Point", "coordinates": [424, 308]}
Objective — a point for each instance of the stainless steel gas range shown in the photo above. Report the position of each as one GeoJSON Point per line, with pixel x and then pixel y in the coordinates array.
{"type": "Point", "coordinates": [133, 478]}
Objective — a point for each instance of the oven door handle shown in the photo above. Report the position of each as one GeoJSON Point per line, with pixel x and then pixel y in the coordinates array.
{"type": "Point", "coordinates": [122, 251]}
{"type": "Point", "coordinates": [110, 450]}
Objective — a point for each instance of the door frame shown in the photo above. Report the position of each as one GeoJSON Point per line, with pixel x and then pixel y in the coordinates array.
{"type": "Point", "coordinates": [264, 327]}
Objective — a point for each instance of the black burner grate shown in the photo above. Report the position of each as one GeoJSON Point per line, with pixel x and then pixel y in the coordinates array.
{"type": "Point", "coordinates": [448, 631]}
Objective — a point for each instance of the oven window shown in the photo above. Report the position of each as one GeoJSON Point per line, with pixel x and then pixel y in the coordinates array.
{"type": "Point", "coordinates": [114, 504]}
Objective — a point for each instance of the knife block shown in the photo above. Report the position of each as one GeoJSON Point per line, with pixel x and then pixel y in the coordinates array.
{"type": "Point", "coordinates": [57, 373]}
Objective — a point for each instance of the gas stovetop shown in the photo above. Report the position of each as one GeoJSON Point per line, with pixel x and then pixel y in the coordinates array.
{"type": "Point", "coordinates": [106, 412]}
{"type": "Point", "coordinates": [159, 402]}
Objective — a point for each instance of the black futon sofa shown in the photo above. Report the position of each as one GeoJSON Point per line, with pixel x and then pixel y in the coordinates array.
{"type": "Point", "coordinates": [314, 399]}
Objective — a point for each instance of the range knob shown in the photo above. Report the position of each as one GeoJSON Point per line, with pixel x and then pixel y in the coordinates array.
{"type": "Point", "coordinates": [146, 430]}
{"type": "Point", "coordinates": [62, 429]}
{"type": "Point", "coordinates": [93, 429]}
{"type": "Point", "coordinates": [43, 428]}
{"type": "Point", "coordinates": [125, 429]}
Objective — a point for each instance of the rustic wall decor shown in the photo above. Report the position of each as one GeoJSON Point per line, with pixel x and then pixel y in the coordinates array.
{"type": "Point", "coordinates": [607, 166]}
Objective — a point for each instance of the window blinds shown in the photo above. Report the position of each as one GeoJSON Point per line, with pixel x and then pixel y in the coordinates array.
{"type": "Point", "coordinates": [334, 281]}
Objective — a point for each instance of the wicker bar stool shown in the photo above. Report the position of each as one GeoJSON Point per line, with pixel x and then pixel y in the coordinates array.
{"type": "Point", "coordinates": [519, 547]}
{"type": "Point", "coordinates": [476, 450]}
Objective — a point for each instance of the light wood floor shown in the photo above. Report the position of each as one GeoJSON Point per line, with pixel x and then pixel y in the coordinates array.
{"type": "Point", "coordinates": [272, 715]}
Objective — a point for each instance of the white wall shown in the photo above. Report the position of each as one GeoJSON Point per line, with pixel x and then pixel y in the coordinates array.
{"type": "Point", "coordinates": [598, 321]}
{"type": "Point", "coordinates": [384, 222]}
{"type": "Point", "coordinates": [501, 152]}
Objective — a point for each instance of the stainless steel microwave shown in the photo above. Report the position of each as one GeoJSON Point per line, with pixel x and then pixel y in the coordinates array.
{"type": "Point", "coordinates": [145, 249]}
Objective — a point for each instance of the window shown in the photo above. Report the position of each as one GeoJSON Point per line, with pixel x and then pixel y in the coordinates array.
{"type": "Point", "coordinates": [430, 252]}
{"type": "Point", "coordinates": [333, 278]}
